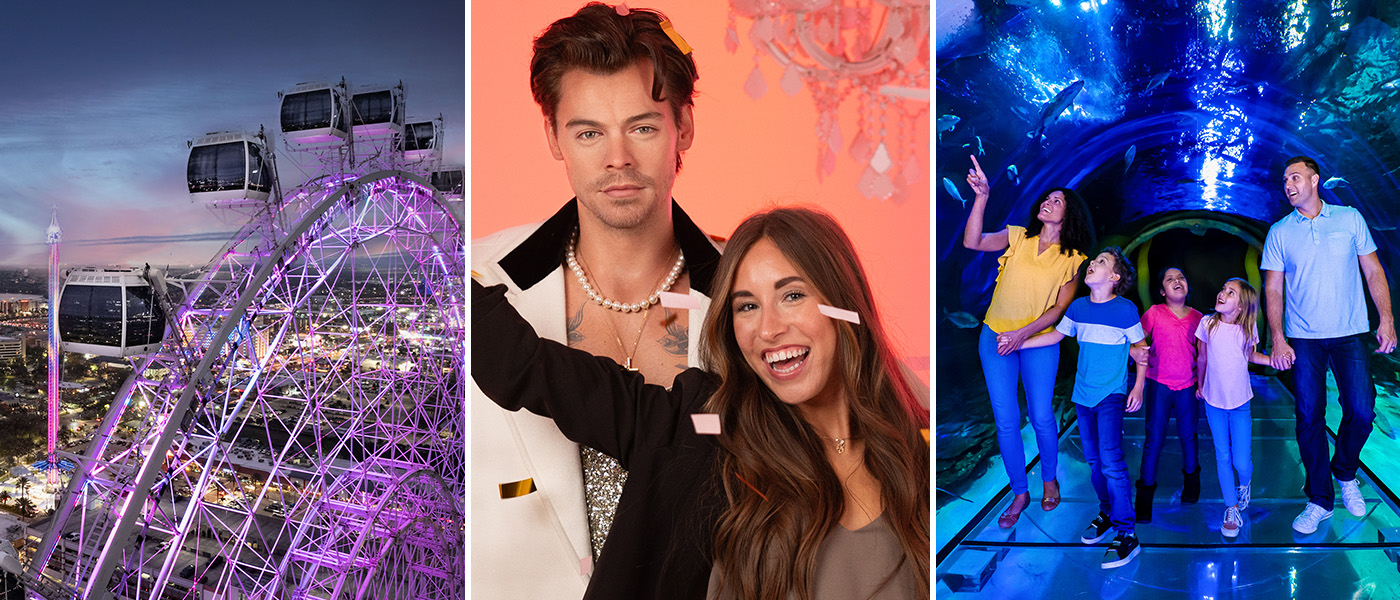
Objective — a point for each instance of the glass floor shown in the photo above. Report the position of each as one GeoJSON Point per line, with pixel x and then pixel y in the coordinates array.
{"type": "Point", "coordinates": [1183, 553]}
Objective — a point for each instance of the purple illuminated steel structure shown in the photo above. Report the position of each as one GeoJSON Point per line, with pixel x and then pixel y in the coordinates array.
{"type": "Point", "coordinates": [300, 433]}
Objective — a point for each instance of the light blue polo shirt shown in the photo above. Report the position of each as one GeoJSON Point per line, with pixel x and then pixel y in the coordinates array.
{"type": "Point", "coordinates": [1323, 287]}
{"type": "Point", "coordinates": [1104, 331]}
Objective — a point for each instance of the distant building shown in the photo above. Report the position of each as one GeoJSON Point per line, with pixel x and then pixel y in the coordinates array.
{"type": "Point", "coordinates": [11, 348]}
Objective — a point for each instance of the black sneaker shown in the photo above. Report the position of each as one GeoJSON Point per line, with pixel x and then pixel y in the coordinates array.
{"type": "Point", "coordinates": [1122, 551]}
{"type": "Point", "coordinates": [1097, 530]}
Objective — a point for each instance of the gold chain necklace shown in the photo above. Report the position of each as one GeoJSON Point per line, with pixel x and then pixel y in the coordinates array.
{"type": "Point", "coordinates": [628, 364]}
{"type": "Point", "coordinates": [840, 442]}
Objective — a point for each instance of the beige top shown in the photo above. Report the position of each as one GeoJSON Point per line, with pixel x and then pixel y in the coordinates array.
{"type": "Point", "coordinates": [851, 565]}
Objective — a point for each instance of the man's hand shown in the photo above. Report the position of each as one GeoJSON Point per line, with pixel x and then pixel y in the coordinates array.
{"type": "Point", "coordinates": [1282, 357]}
{"type": "Point", "coordinates": [1385, 335]}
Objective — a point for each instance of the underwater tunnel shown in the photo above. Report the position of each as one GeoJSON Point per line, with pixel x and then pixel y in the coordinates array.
{"type": "Point", "coordinates": [1173, 120]}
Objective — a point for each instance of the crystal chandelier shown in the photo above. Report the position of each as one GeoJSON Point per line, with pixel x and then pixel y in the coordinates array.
{"type": "Point", "coordinates": [874, 50]}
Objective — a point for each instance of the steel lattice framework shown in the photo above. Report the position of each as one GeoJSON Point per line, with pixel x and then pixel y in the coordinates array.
{"type": "Point", "coordinates": [301, 433]}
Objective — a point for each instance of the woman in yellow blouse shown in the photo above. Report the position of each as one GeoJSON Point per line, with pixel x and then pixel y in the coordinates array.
{"type": "Point", "coordinates": [1036, 279]}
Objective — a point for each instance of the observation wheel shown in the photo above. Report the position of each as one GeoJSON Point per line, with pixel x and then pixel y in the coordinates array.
{"type": "Point", "coordinates": [299, 434]}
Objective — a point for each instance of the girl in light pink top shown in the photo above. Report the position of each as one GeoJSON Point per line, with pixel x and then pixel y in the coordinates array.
{"type": "Point", "coordinates": [1226, 342]}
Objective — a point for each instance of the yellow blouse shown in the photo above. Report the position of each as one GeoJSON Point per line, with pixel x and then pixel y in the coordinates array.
{"type": "Point", "coordinates": [1028, 281]}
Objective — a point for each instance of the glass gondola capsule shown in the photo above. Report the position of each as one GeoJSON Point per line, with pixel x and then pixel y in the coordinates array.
{"type": "Point", "coordinates": [230, 167]}
{"type": "Point", "coordinates": [378, 111]}
{"type": "Point", "coordinates": [110, 312]}
{"type": "Point", "coordinates": [422, 139]}
{"type": "Point", "coordinates": [315, 113]}
{"type": "Point", "coordinates": [449, 181]}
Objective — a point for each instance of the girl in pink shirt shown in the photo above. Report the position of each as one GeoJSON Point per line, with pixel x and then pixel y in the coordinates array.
{"type": "Point", "coordinates": [1171, 390]}
{"type": "Point", "coordinates": [1226, 347]}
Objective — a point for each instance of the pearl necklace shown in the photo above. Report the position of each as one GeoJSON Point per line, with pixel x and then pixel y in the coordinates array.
{"type": "Point", "coordinates": [613, 304]}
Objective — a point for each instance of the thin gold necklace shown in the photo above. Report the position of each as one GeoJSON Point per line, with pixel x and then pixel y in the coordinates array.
{"type": "Point", "coordinates": [840, 442]}
{"type": "Point", "coordinates": [628, 364]}
{"type": "Point", "coordinates": [645, 307]}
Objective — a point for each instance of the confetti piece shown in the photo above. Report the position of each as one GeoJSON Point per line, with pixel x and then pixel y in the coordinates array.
{"type": "Point", "coordinates": [475, 275]}
{"type": "Point", "coordinates": [839, 313]}
{"type": "Point", "coordinates": [706, 423]}
{"type": "Point", "coordinates": [585, 566]}
{"type": "Point", "coordinates": [517, 489]}
{"type": "Point", "coordinates": [675, 37]}
{"type": "Point", "coordinates": [679, 301]}
{"type": "Point", "coordinates": [622, 10]}
{"type": "Point", "coordinates": [925, 432]}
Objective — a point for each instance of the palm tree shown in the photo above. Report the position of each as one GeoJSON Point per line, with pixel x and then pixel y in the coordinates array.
{"type": "Point", "coordinates": [5, 497]}
{"type": "Point", "coordinates": [26, 507]}
{"type": "Point", "coordinates": [23, 485]}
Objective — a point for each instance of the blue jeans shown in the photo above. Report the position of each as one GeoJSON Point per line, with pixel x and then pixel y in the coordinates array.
{"type": "Point", "coordinates": [1037, 367]}
{"type": "Point", "coordinates": [1351, 366]}
{"type": "Point", "coordinates": [1230, 429]}
{"type": "Point", "coordinates": [1163, 402]}
{"type": "Point", "coordinates": [1101, 434]}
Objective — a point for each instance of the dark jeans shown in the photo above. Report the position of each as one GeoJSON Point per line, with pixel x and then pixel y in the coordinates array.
{"type": "Point", "coordinates": [1163, 402]}
{"type": "Point", "coordinates": [1101, 434]}
{"type": "Point", "coordinates": [1351, 366]}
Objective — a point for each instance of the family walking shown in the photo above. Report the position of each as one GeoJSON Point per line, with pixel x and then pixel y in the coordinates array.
{"type": "Point", "coordinates": [1319, 262]}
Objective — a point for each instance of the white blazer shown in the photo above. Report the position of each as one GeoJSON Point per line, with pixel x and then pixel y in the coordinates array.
{"type": "Point", "coordinates": [537, 545]}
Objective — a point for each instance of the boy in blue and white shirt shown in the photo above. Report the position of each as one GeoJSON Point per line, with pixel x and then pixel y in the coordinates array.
{"type": "Point", "coordinates": [1106, 325]}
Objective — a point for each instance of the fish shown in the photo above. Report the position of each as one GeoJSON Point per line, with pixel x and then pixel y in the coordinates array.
{"type": "Point", "coordinates": [953, 190]}
{"type": "Point", "coordinates": [1053, 108]}
{"type": "Point", "coordinates": [1157, 81]}
{"type": "Point", "coordinates": [961, 320]}
{"type": "Point", "coordinates": [948, 123]}
{"type": "Point", "coordinates": [1013, 174]}
{"type": "Point", "coordinates": [980, 151]}
{"type": "Point", "coordinates": [1393, 84]}
{"type": "Point", "coordinates": [1390, 228]}
{"type": "Point", "coordinates": [955, 496]}
{"type": "Point", "coordinates": [1128, 158]}
{"type": "Point", "coordinates": [1334, 182]}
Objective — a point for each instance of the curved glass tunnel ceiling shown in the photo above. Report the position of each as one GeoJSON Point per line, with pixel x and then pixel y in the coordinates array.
{"type": "Point", "coordinates": [1183, 106]}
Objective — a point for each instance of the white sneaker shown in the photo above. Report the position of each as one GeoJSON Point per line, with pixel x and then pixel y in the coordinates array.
{"type": "Point", "coordinates": [1242, 496]}
{"type": "Point", "coordinates": [1351, 498]}
{"type": "Point", "coordinates": [1312, 515]}
{"type": "Point", "coordinates": [1232, 524]}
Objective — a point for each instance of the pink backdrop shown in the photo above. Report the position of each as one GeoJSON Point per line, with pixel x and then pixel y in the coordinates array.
{"type": "Point", "coordinates": [748, 154]}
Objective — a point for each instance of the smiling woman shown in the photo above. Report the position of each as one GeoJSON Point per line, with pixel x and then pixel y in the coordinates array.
{"type": "Point", "coordinates": [1034, 285]}
{"type": "Point", "coordinates": [818, 461]}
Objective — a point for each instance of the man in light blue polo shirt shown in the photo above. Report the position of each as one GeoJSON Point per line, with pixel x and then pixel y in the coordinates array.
{"type": "Point", "coordinates": [1313, 253]}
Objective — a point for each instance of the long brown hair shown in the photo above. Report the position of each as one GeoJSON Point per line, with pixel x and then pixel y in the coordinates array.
{"type": "Point", "coordinates": [783, 497]}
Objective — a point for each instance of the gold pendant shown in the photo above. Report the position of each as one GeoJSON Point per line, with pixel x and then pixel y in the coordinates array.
{"type": "Point", "coordinates": [840, 446]}
{"type": "Point", "coordinates": [628, 365]}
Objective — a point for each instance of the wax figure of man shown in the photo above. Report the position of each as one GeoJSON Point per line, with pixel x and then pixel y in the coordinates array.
{"type": "Point", "coordinates": [616, 88]}
{"type": "Point", "coordinates": [1317, 316]}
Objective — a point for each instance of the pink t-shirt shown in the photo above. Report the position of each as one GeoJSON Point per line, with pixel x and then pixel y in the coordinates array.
{"type": "Point", "coordinates": [1173, 340]}
{"type": "Point", "coordinates": [1226, 383]}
